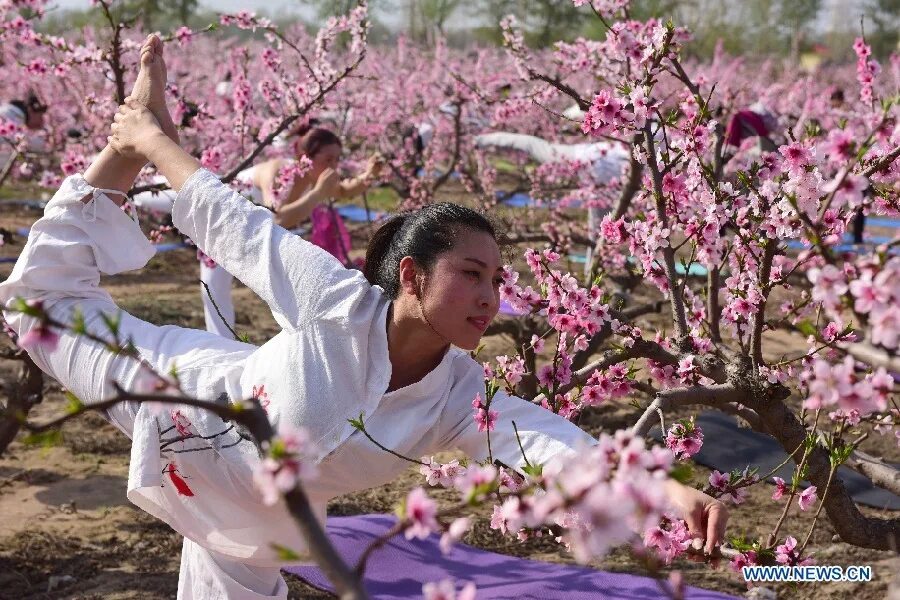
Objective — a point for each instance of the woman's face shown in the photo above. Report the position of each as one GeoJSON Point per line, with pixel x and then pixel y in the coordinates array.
{"type": "Point", "coordinates": [462, 293]}
{"type": "Point", "coordinates": [327, 157]}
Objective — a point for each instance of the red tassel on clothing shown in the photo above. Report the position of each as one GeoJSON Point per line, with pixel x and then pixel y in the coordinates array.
{"type": "Point", "coordinates": [179, 483]}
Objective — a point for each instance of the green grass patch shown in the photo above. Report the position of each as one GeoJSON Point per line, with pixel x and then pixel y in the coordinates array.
{"type": "Point", "coordinates": [20, 191]}
{"type": "Point", "coordinates": [383, 199]}
{"type": "Point", "coordinates": [505, 166]}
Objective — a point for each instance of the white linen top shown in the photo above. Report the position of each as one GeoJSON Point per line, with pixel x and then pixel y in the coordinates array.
{"type": "Point", "coordinates": [328, 364]}
{"type": "Point", "coordinates": [330, 361]}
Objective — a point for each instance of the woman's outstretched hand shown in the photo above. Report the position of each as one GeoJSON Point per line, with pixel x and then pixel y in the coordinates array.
{"type": "Point", "coordinates": [374, 165]}
{"type": "Point", "coordinates": [134, 130]}
{"type": "Point", "coordinates": [328, 183]}
{"type": "Point", "coordinates": [706, 517]}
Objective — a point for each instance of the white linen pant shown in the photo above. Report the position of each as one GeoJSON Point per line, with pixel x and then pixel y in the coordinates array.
{"type": "Point", "coordinates": [60, 266]}
{"type": "Point", "coordinates": [207, 575]}
{"type": "Point", "coordinates": [219, 282]}
{"type": "Point", "coordinates": [216, 278]}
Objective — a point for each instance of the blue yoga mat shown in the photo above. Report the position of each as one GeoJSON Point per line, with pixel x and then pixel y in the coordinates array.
{"type": "Point", "coordinates": [727, 447]}
{"type": "Point", "coordinates": [852, 248]}
{"type": "Point", "coordinates": [358, 214]}
{"type": "Point", "coordinates": [160, 248]}
{"type": "Point", "coordinates": [399, 569]}
{"type": "Point", "coordinates": [36, 204]}
{"type": "Point", "coordinates": [894, 223]}
{"type": "Point", "coordinates": [517, 200]}
{"type": "Point", "coordinates": [522, 199]}
{"type": "Point", "coordinates": [436, 174]}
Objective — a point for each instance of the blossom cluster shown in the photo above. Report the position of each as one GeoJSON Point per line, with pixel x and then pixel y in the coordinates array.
{"type": "Point", "coordinates": [289, 460]}
{"type": "Point", "coordinates": [602, 496]}
{"type": "Point", "coordinates": [684, 438]}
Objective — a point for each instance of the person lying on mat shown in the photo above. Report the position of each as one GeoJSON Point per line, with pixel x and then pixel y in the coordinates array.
{"type": "Point", "coordinates": [390, 346]}
{"type": "Point", "coordinates": [605, 160]}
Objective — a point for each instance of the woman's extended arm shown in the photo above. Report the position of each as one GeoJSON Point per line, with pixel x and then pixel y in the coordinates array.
{"type": "Point", "coordinates": [353, 187]}
{"type": "Point", "coordinates": [349, 188]}
{"type": "Point", "coordinates": [292, 213]}
{"type": "Point", "coordinates": [544, 435]}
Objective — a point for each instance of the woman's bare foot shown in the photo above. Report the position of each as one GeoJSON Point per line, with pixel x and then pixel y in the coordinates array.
{"type": "Point", "coordinates": [150, 87]}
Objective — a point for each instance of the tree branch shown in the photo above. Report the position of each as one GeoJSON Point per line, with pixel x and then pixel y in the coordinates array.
{"type": "Point", "coordinates": [715, 396]}
{"type": "Point", "coordinates": [883, 163]}
{"type": "Point", "coordinates": [850, 524]}
{"type": "Point", "coordinates": [668, 252]}
{"type": "Point", "coordinates": [881, 473]}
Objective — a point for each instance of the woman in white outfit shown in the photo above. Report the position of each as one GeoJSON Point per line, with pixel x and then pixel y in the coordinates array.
{"type": "Point", "coordinates": [390, 345]}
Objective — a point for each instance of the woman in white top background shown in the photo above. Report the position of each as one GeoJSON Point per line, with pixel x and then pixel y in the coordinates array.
{"type": "Point", "coordinates": [391, 345]}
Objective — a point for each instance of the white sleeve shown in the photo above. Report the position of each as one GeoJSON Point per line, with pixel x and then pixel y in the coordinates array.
{"type": "Point", "coordinates": [543, 433]}
{"type": "Point", "coordinates": [298, 280]}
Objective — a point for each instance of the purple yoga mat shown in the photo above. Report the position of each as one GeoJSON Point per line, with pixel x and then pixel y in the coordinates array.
{"type": "Point", "coordinates": [400, 568]}
{"type": "Point", "coordinates": [507, 309]}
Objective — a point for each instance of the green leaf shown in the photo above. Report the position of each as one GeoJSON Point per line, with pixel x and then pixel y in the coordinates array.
{"type": "Point", "coordinates": [807, 328]}
{"type": "Point", "coordinates": [78, 325]}
{"type": "Point", "coordinates": [358, 423]}
{"type": "Point", "coordinates": [244, 337]}
{"type": "Point", "coordinates": [74, 405]}
{"type": "Point", "coordinates": [839, 453]}
{"type": "Point", "coordinates": [284, 553]}
{"type": "Point", "coordinates": [46, 439]}
{"type": "Point", "coordinates": [22, 306]}
{"type": "Point", "coordinates": [533, 470]}
{"type": "Point", "coordinates": [112, 322]}
{"type": "Point", "coordinates": [741, 543]}
{"type": "Point", "coordinates": [491, 388]}
{"type": "Point", "coordinates": [682, 472]}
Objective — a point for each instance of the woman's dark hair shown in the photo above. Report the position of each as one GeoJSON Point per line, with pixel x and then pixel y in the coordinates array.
{"type": "Point", "coordinates": [422, 234]}
{"type": "Point", "coordinates": [313, 139]}
{"type": "Point", "coordinates": [191, 110]}
{"type": "Point", "coordinates": [31, 104]}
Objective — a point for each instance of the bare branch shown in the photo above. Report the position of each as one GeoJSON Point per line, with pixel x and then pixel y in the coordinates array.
{"type": "Point", "coordinates": [759, 318]}
{"type": "Point", "coordinates": [873, 356]}
{"type": "Point", "coordinates": [714, 395]}
{"type": "Point", "coordinates": [881, 473]}
{"type": "Point", "coordinates": [668, 252]}
{"type": "Point", "coordinates": [883, 163]}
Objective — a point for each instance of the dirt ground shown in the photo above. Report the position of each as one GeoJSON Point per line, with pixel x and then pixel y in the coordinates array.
{"type": "Point", "coordinates": [67, 530]}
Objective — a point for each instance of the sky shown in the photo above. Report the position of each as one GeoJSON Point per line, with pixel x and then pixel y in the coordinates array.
{"type": "Point", "coordinates": [269, 6]}
{"type": "Point", "coordinates": [833, 12]}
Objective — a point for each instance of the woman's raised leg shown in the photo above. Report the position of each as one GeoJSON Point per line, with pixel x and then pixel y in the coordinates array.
{"type": "Point", "coordinates": [205, 574]}
{"type": "Point", "coordinates": [219, 317]}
